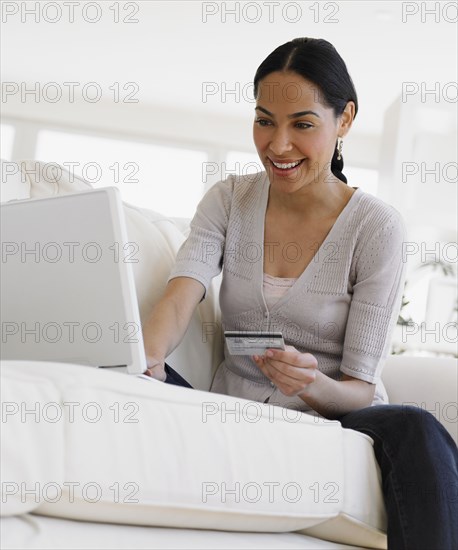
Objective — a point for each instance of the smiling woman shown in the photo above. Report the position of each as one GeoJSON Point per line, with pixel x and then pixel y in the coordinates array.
{"type": "Point", "coordinates": [309, 72]}
{"type": "Point", "coordinates": [296, 147]}
{"type": "Point", "coordinates": [337, 253]}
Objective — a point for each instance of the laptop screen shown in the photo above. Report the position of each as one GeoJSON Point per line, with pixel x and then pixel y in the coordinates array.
{"type": "Point", "coordinates": [67, 285]}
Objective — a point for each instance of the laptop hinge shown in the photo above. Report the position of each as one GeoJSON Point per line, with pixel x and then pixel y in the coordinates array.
{"type": "Point", "coordinates": [114, 368]}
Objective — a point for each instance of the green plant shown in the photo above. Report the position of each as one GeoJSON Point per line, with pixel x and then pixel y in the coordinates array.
{"type": "Point", "coordinates": [401, 319]}
{"type": "Point", "coordinates": [447, 269]}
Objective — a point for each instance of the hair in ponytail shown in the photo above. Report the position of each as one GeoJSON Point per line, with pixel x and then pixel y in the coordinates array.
{"type": "Point", "coordinates": [337, 166]}
{"type": "Point", "coordinates": [318, 61]}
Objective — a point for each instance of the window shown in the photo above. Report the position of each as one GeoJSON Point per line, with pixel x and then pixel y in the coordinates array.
{"type": "Point", "coordinates": [6, 141]}
{"type": "Point", "coordinates": [167, 180]}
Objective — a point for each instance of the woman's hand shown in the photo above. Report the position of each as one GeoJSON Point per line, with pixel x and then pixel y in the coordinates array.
{"type": "Point", "coordinates": [289, 370]}
{"type": "Point", "coordinates": [155, 368]}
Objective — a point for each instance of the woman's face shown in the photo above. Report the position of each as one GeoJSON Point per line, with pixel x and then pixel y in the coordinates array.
{"type": "Point", "coordinates": [293, 126]}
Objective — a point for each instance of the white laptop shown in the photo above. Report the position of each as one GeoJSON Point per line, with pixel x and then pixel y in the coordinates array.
{"type": "Point", "coordinates": [67, 285]}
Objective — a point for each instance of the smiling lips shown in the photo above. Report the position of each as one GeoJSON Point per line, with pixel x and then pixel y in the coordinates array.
{"type": "Point", "coordinates": [286, 165]}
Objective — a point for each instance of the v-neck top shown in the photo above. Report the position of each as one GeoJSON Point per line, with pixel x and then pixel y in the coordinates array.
{"type": "Point", "coordinates": [342, 308]}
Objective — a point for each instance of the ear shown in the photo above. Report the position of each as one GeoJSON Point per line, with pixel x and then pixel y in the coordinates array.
{"type": "Point", "coordinates": [346, 119]}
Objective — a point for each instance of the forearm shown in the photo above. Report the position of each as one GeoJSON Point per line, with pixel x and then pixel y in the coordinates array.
{"type": "Point", "coordinates": [170, 317]}
{"type": "Point", "coordinates": [164, 329]}
{"type": "Point", "coordinates": [296, 373]}
{"type": "Point", "coordinates": [332, 398]}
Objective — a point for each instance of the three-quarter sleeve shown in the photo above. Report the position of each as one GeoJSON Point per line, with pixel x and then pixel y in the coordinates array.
{"type": "Point", "coordinates": [200, 256]}
{"type": "Point", "coordinates": [376, 300]}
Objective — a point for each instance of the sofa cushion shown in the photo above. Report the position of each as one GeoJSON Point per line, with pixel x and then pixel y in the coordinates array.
{"type": "Point", "coordinates": [146, 453]}
{"type": "Point", "coordinates": [32, 450]}
{"type": "Point", "coordinates": [429, 383]}
{"type": "Point", "coordinates": [159, 239]}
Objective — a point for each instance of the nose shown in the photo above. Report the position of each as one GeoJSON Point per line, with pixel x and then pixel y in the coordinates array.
{"type": "Point", "coordinates": [280, 142]}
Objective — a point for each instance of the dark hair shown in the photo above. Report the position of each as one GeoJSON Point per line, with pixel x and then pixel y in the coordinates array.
{"type": "Point", "coordinates": [318, 61]}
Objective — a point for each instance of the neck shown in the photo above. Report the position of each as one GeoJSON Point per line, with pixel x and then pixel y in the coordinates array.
{"type": "Point", "coordinates": [317, 200]}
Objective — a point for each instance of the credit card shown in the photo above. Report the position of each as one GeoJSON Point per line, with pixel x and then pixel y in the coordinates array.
{"type": "Point", "coordinates": [245, 342]}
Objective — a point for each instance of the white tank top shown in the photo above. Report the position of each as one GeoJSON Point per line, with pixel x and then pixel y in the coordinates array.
{"type": "Point", "coordinates": [275, 287]}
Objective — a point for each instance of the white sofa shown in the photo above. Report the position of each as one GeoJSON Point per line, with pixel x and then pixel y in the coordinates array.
{"type": "Point", "coordinates": [112, 461]}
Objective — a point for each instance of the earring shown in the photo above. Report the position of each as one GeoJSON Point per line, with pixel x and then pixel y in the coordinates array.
{"type": "Point", "coordinates": [339, 148]}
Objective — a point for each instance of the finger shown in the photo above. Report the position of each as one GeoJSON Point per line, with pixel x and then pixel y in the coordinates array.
{"type": "Point", "coordinates": [282, 380]}
{"type": "Point", "coordinates": [307, 376]}
{"type": "Point", "coordinates": [289, 371]}
{"type": "Point", "coordinates": [263, 366]}
{"type": "Point", "coordinates": [292, 357]}
{"type": "Point", "coordinates": [161, 376]}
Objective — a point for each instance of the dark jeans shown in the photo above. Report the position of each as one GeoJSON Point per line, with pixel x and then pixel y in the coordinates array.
{"type": "Point", "coordinates": [419, 465]}
{"type": "Point", "coordinates": [174, 378]}
{"type": "Point", "coordinates": [418, 460]}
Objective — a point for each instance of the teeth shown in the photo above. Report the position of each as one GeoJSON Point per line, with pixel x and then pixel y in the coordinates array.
{"type": "Point", "coordinates": [286, 166]}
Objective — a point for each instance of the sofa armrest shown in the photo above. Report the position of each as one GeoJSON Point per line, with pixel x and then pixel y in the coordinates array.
{"type": "Point", "coordinates": [427, 382]}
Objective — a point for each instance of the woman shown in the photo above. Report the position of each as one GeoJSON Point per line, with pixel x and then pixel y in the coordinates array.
{"type": "Point", "coordinates": [305, 254]}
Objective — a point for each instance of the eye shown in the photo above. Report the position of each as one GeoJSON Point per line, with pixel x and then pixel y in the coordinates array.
{"type": "Point", "coordinates": [303, 125]}
{"type": "Point", "coordinates": [262, 122]}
